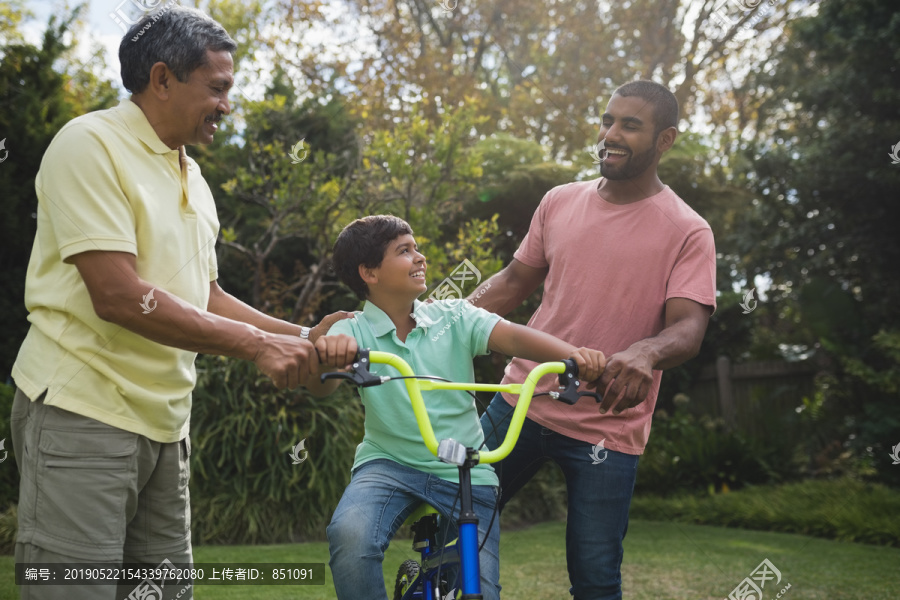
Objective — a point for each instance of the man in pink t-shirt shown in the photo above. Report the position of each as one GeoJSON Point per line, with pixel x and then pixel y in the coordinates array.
{"type": "Point", "coordinates": [629, 269]}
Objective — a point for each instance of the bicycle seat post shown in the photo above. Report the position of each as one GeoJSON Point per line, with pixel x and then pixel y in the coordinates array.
{"type": "Point", "coordinates": [470, 575]}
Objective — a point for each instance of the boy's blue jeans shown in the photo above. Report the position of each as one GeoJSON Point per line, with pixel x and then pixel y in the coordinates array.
{"type": "Point", "coordinates": [379, 498]}
{"type": "Point", "coordinates": [599, 496]}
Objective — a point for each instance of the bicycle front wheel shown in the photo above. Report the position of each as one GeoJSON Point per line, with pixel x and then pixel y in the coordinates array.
{"type": "Point", "coordinates": [406, 575]}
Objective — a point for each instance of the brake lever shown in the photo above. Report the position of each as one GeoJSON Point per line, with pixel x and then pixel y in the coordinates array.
{"type": "Point", "coordinates": [360, 376]}
{"type": "Point", "coordinates": [569, 382]}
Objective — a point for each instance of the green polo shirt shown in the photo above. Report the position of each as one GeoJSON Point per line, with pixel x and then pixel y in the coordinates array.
{"type": "Point", "coordinates": [455, 333]}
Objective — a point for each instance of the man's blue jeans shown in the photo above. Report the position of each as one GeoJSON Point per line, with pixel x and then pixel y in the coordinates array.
{"type": "Point", "coordinates": [599, 492]}
{"type": "Point", "coordinates": [379, 498]}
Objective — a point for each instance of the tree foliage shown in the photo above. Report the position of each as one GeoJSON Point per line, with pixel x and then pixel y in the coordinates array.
{"type": "Point", "coordinates": [823, 174]}
{"type": "Point", "coordinates": [824, 218]}
{"type": "Point", "coordinates": [36, 99]}
{"type": "Point", "coordinates": [538, 72]}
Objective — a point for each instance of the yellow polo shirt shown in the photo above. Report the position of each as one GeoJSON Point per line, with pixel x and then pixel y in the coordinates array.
{"type": "Point", "coordinates": [107, 182]}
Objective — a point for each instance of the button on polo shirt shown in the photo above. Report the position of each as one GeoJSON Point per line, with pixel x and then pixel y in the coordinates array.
{"type": "Point", "coordinates": [457, 332]}
{"type": "Point", "coordinates": [107, 182]}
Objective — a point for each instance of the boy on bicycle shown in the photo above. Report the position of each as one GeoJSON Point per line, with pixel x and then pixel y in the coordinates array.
{"type": "Point", "coordinates": [393, 471]}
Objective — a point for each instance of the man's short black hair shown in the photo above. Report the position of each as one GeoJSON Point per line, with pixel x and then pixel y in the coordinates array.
{"type": "Point", "coordinates": [363, 242]}
{"type": "Point", "coordinates": [665, 105]}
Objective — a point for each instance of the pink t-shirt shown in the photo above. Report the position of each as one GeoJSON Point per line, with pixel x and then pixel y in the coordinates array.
{"type": "Point", "coordinates": [611, 269]}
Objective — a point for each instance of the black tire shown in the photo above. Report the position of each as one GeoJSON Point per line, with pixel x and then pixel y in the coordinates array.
{"type": "Point", "coordinates": [407, 573]}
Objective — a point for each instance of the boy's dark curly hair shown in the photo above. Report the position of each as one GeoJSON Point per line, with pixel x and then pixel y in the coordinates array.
{"type": "Point", "coordinates": [363, 242]}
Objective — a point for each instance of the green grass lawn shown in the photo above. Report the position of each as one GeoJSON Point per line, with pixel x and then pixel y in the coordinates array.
{"type": "Point", "coordinates": [662, 561]}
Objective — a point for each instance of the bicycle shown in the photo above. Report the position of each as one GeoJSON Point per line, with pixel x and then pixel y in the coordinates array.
{"type": "Point", "coordinates": [426, 580]}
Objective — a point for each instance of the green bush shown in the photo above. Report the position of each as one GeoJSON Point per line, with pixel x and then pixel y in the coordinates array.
{"type": "Point", "coordinates": [9, 473]}
{"type": "Point", "coordinates": [875, 377]}
{"type": "Point", "coordinates": [244, 485]}
{"type": "Point", "coordinates": [686, 453]}
{"type": "Point", "coordinates": [8, 528]}
{"type": "Point", "coordinates": [844, 509]}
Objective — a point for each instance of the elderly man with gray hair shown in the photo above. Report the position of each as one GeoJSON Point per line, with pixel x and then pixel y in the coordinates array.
{"type": "Point", "coordinates": [122, 294]}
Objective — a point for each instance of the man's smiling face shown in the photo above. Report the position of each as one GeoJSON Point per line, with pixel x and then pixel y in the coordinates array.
{"type": "Point", "coordinates": [628, 133]}
{"type": "Point", "coordinates": [198, 104]}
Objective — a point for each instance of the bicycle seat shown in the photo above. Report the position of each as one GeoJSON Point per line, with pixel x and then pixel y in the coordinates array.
{"type": "Point", "coordinates": [423, 510]}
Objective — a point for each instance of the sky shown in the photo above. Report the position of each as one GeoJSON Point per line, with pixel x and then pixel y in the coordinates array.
{"type": "Point", "coordinates": [100, 26]}
{"type": "Point", "coordinates": [106, 21]}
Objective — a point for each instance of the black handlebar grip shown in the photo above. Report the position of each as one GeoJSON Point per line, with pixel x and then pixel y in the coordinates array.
{"type": "Point", "coordinates": [360, 375]}
{"type": "Point", "coordinates": [337, 375]}
{"type": "Point", "coordinates": [568, 383]}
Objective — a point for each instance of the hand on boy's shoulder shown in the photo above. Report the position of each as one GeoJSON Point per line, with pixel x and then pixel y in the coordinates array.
{"type": "Point", "coordinates": [326, 323]}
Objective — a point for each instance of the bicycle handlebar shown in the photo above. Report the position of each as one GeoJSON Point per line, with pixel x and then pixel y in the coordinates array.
{"type": "Point", "coordinates": [568, 380]}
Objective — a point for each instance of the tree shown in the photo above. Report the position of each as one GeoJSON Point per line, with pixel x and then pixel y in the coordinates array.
{"type": "Point", "coordinates": [824, 226]}
{"type": "Point", "coordinates": [37, 98]}
{"type": "Point", "coordinates": [539, 72]}
{"type": "Point", "coordinates": [822, 174]}
{"type": "Point", "coordinates": [281, 212]}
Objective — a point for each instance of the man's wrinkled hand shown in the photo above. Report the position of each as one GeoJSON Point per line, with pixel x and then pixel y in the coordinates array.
{"type": "Point", "coordinates": [287, 360]}
{"type": "Point", "coordinates": [626, 380]}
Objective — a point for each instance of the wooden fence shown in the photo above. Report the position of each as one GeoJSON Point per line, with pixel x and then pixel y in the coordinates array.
{"type": "Point", "coordinates": [752, 397]}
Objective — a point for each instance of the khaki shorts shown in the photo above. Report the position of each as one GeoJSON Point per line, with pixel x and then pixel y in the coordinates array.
{"type": "Point", "coordinates": [90, 492]}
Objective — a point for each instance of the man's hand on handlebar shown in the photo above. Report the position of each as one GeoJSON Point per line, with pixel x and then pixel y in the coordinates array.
{"type": "Point", "coordinates": [288, 360]}
{"type": "Point", "coordinates": [627, 380]}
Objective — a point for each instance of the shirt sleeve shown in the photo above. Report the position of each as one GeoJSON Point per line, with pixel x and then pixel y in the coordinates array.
{"type": "Point", "coordinates": [80, 191]}
{"type": "Point", "coordinates": [344, 326]}
{"type": "Point", "coordinates": [531, 250]}
{"type": "Point", "coordinates": [213, 265]}
{"type": "Point", "coordinates": [481, 324]}
{"type": "Point", "coordinates": [694, 274]}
